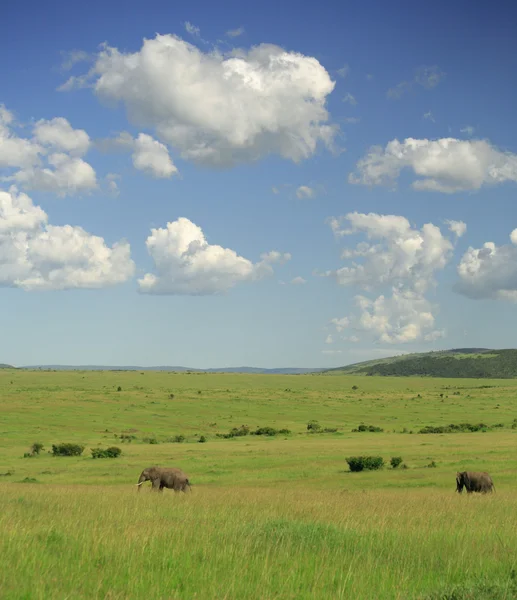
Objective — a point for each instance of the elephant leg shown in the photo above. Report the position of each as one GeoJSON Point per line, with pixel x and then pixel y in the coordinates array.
{"type": "Point", "coordinates": [156, 484]}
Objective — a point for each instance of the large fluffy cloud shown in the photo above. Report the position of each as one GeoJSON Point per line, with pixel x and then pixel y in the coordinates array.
{"type": "Point", "coordinates": [37, 256]}
{"type": "Point", "coordinates": [50, 160]}
{"type": "Point", "coordinates": [186, 264]}
{"type": "Point", "coordinates": [490, 271]}
{"type": "Point", "coordinates": [218, 109]}
{"type": "Point", "coordinates": [401, 259]}
{"type": "Point", "coordinates": [445, 165]}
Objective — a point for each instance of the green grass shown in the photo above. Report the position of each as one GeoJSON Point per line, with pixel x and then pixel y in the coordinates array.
{"type": "Point", "coordinates": [277, 517]}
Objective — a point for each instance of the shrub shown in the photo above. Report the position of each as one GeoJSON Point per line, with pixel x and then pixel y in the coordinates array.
{"type": "Point", "coordinates": [119, 389]}
{"type": "Point", "coordinates": [150, 440]}
{"type": "Point", "coordinates": [354, 387]}
{"type": "Point", "coordinates": [202, 439]}
{"type": "Point", "coordinates": [404, 466]}
{"type": "Point", "coordinates": [36, 448]}
{"type": "Point", "coordinates": [67, 449]}
{"type": "Point", "coordinates": [369, 428]}
{"type": "Point", "coordinates": [111, 452]}
{"type": "Point", "coordinates": [396, 461]}
{"type": "Point", "coordinates": [330, 430]}
{"type": "Point", "coordinates": [460, 428]}
{"type": "Point", "coordinates": [235, 432]}
{"type": "Point", "coordinates": [29, 480]}
{"type": "Point", "coordinates": [126, 438]}
{"type": "Point", "coordinates": [178, 439]}
{"type": "Point", "coordinates": [432, 465]}
{"type": "Point", "coordinates": [284, 431]}
{"type": "Point", "coordinates": [365, 463]}
{"type": "Point", "coordinates": [313, 426]}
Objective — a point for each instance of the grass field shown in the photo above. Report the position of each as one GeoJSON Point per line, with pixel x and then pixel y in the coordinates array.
{"type": "Point", "coordinates": [268, 517]}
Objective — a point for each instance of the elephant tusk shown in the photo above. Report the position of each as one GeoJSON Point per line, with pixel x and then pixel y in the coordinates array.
{"type": "Point", "coordinates": [137, 484]}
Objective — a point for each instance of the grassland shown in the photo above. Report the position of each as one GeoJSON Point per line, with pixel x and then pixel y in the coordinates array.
{"type": "Point", "coordinates": [278, 517]}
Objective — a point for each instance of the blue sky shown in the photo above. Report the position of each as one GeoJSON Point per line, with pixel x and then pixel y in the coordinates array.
{"type": "Point", "coordinates": [268, 185]}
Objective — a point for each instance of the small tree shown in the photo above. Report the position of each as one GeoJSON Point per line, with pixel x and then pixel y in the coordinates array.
{"type": "Point", "coordinates": [395, 461]}
{"type": "Point", "coordinates": [365, 463]}
{"type": "Point", "coordinates": [313, 426]}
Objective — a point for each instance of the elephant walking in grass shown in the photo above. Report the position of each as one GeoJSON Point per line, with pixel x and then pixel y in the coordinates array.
{"type": "Point", "coordinates": [474, 482]}
{"type": "Point", "coordinates": [164, 477]}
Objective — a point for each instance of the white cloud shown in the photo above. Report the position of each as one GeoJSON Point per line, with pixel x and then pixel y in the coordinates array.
{"type": "Point", "coordinates": [344, 71]}
{"type": "Point", "coordinates": [351, 338]}
{"type": "Point", "coordinates": [153, 157]}
{"type": "Point", "coordinates": [233, 33]}
{"type": "Point", "coordinates": [428, 116]}
{"type": "Point", "coordinates": [459, 228]}
{"type": "Point", "coordinates": [72, 58]}
{"type": "Point", "coordinates": [444, 165]}
{"type": "Point", "coordinates": [275, 190]}
{"type": "Point", "coordinates": [329, 339]}
{"type": "Point", "coordinates": [15, 152]}
{"type": "Point", "coordinates": [351, 120]}
{"type": "Point", "coordinates": [111, 180]}
{"type": "Point", "coordinates": [400, 258]}
{"type": "Point", "coordinates": [59, 134]}
{"type": "Point", "coordinates": [298, 281]}
{"type": "Point", "coordinates": [192, 29]}
{"type": "Point", "coordinates": [37, 256]}
{"type": "Point", "coordinates": [50, 161]}
{"type": "Point", "coordinates": [490, 271]}
{"type": "Point", "coordinates": [186, 264]}
{"type": "Point", "coordinates": [349, 99]}
{"type": "Point", "coordinates": [468, 130]}
{"type": "Point", "coordinates": [427, 77]}
{"type": "Point", "coordinates": [64, 175]}
{"type": "Point", "coordinates": [304, 191]}
{"type": "Point", "coordinates": [220, 109]}
{"type": "Point", "coordinates": [331, 351]}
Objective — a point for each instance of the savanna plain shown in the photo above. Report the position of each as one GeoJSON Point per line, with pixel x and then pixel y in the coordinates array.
{"type": "Point", "coordinates": [269, 516]}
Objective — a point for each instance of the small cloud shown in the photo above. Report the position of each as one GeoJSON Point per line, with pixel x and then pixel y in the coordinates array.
{"type": "Point", "coordinates": [429, 116]}
{"type": "Point", "coordinates": [344, 71]}
{"type": "Point", "coordinates": [369, 77]}
{"type": "Point", "coordinates": [192, 29]}
{"type": "Point", "coordinates": [235, 32]}
{"type": "Point", "coordinates": [468, 130]}
{"type": "Point", "coordinates": [352, 338]}
{"type": "Point", "coordinates": [298, 281]}
{"type": "Point", "coordinates": [275, 190]}
{"type": "Point", "coordinates": [329, 339]}
{"type": "Point", "coordinates": [457, 227]}
{"type": "Point", "coordinates": [111, 180]}
{"type": "Point", "coordinates": [304, 191]}
{"type": "Point", "coordinates": [350, 99]}
{"type": "Point", "coordinates": [73, 57]}
{"type": "Point", "coordinates": [428, 77]}
{"type": "Point", "coordinates": [399, 90]}
{"type": "Point", "coordinates": [331, 351]}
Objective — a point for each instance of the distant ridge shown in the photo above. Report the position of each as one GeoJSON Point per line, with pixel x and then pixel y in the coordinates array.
{"type": "Point", "coordinates": [477, 363]}
{"type": "Point", "coordinates": [279, 371]}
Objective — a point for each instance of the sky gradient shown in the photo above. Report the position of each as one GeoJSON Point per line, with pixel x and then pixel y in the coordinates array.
{"type": "Point", "coordinates": [225, 185]}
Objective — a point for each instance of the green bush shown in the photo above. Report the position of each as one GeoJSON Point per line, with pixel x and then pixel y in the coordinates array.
{"type": "Point", "coordinates": [67, 449]}
{"type": "Point", "coordinates": [432, 465]}
{"type": "Point", "coordinates": [111, 452]}
{"type": "Point", "coordinates": [126, 438]}
{"type": "Point", "coordinates": [235, 432]}
{"type": "Point", "coordinates": [460, 428]}
{"type": "Point", "coordinates": [149, 440]}
{"type": "Point", "coordinates": [269, 431]}
{"type": "Point", "coordinates": [395, 461]}
{"type": "Point", "coordinates": [313, 426]}
{"type": "Point", "coordinates": [36, 448]}
{"type": "Point", "coordinates": [202, 439]}
{"type": "Point", "coordinates": [369, 428]}
{"type": "Point", "coordinates": [365, 463]}
{"type": "Point", "coordinates": [178, 439]}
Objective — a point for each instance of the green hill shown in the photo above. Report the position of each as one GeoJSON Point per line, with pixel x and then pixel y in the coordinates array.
{"type": "Point", "coordinates": [2, 366]}
{"type": "Point", "coordinates": [460, 362]}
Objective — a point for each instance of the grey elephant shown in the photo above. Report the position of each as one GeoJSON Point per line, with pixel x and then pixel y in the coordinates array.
{"type": "Point", "coordinates": [165, 477]}
{"type": "Point", "coordinates": [474, 482]}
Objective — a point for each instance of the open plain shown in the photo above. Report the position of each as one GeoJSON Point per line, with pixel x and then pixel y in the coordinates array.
{"type": "Point", "coordinates": [268, 517]}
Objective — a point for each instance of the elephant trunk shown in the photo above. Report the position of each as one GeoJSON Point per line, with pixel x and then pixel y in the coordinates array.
{"type": "Point", "coordinates": [141, 480]}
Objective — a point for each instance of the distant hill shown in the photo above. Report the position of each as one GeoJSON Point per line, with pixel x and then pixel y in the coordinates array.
{"type": "Point", "coordinates": [279, 371]}
{"type": "Point", "coordinates": [459, 362]}
{"type": "Point", "coordinates": [2, 366]}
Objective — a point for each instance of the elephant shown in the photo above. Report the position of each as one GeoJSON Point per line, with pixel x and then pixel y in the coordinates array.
{"type": "Point", "coordinates": [474, 482]}
{"type": "Point", "coordinates": [165, 477]}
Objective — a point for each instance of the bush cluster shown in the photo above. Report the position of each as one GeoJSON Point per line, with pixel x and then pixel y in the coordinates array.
{"type": "Point", "coordinates": [245, 430]}
{"type": "Point", "coordinates": [111, 452]}
{"type": "Point", "coordinates": [315, 427]}
{"type": "Point", "coordinates": [150, 440]}
{"type": "Point", "coordinates": [369, 428]}
{"type": "Point", "coordinates": [365, 463]}
{"type": "Point", "coordinates": [67, 449]}
{"type": "Point", "coordinates": [460, 428]}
